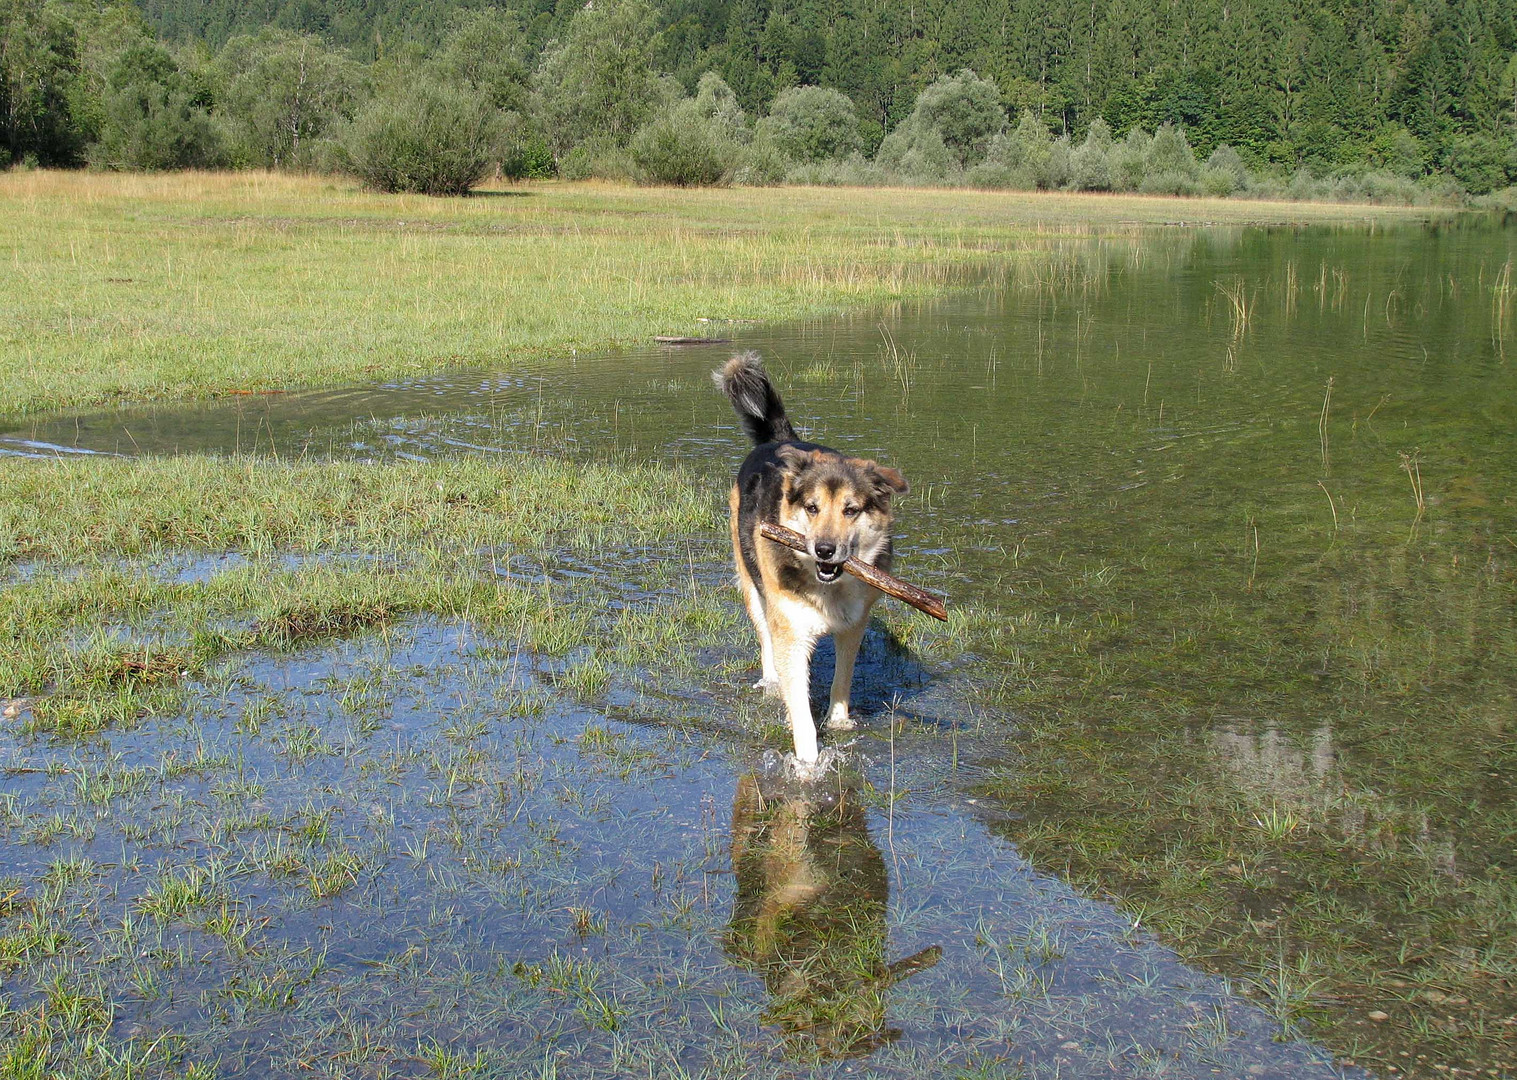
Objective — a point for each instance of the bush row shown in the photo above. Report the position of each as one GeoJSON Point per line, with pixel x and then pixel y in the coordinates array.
{"type": "Point", "coordinates": [958, 135]}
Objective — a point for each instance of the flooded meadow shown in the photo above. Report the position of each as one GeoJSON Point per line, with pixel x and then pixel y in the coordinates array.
{"type": "Point", "coordinates": [1210, 774]}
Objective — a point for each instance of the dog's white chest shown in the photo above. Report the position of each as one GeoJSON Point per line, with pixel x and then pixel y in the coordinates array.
{"type": "Point", "coordinates": [825, 611]}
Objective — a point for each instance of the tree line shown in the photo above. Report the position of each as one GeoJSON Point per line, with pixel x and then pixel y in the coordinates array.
{"type": "Point", "coordinates": [1393, 99]}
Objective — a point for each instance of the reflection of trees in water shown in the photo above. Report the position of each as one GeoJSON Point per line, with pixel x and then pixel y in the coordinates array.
{"type": "Point", "coordinates": [1278, 770]}
{"type": "Point", "coordinates": [809, 917]}
{"type": "Point", "coordinates": [1272, 763]}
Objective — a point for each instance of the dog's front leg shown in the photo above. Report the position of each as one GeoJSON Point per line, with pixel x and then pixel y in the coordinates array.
{"type": "Point", "coordinates": [846, 643]}
{"type": "Point", "coordinates": [792, 657]}
{"type": "Point", "coordinates": [770, 682]}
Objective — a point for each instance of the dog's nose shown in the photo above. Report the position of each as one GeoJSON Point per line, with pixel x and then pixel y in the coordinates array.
{"type": "Point", "coordinates": [825, 551]}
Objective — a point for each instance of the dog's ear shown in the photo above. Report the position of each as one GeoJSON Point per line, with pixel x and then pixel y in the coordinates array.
{"type": "Point", "coordinates": [793, 459]}
{"type": "Point", "coordinates": [886, 481]}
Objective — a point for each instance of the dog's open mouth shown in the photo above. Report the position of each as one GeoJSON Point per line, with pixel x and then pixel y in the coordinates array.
{"type": "Point", "coordinates": [828, 571]}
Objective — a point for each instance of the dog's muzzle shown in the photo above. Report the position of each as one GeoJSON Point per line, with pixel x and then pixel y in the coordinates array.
{"type": "Point", "coordinates": [828, 572]}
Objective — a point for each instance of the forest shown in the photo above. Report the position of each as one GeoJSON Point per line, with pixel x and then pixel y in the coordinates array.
{"type": "Point", "coordinates": [1363, 97]}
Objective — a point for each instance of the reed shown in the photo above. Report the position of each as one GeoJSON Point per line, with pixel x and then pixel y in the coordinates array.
{"type": "Point", "coordinates": [1240, 305]}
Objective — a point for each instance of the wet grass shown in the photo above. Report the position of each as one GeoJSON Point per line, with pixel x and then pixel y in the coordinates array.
{"type": "Point", "coordinates": [1298, 774]}
{"type": "Point", "coordinates": [188, 285]}
{"type": "Point", "coordinates": [383, 856]}
{"type": "Point", "coordinates": [106, 629]}
{"type": "Point", "coordinates": [96, 634]}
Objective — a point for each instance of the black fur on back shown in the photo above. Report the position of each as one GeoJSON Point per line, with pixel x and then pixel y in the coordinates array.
{"type": "Point", "coordinates": [757, 402]}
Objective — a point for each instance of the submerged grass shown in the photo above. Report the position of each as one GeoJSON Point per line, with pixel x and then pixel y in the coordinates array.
{"type": "Point", "coordinates": [1299, 775]}
{"type": "Point", "coordinates": [131, 287]}
{"type": "Point", "coordinates": [96, 633]}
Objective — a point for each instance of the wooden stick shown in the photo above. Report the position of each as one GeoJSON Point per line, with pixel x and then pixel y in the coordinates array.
{"type": "Point", "coordinates": [920, 599]}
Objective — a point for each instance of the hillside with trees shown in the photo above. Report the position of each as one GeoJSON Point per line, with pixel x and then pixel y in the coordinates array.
{"type": "Point", "coordinates": [1274, 96]}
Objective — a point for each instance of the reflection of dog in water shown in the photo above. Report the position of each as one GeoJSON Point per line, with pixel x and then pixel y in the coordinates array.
{"type": "Point", "coordinates": [809, 917]}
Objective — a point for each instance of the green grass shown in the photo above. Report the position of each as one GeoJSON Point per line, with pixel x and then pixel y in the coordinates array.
{"type": "Point", "coordinates": [135, 287]}
{"type": "Point", "coordinates": [64, 511]}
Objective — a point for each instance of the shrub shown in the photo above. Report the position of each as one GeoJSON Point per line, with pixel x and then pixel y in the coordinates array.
{"type": "Point", "coordinates": [1385, 187]}
{"type": "Point", "coordinates": [601, 158]}
{"type": "Point", "coordinates": [1503, 201]}
{"type": "Point", "coordinates": [965, 111]}
{"type": "Point", "coordinates": [916, 151]}
{"type": "Point", "coordinates": [853, 171]}
{"type": "Point", "coordinates": [153, 126]}
{"type": "Point", "coordinates": [424, 138]}
{"type": "Point", "coordinates": [1170, 183]}
{"type": "Point", "coordinates": [1128, 160]}
{"type": "Point", "coordinates": [1266, 186]}
{"type": "Point", "coordinates": [1218, 183]}
{"type": "Point", "coordinates": [810, 123]}
{"type": "Point", "coordinates": [524, 153]}
{"type": "Point", "coordinates": [1022, 157]}
{"type": "Point", "coordinates": [761, 162]}
{"type": "Point", "coordinates": [716, 103]}
{"type": "Point", "coordinates": [1170, 152]}
{"type": "Point", "coordinates": [995, 172]}
{"type": "Point", "coordinates": [1481, 163]}
{"type": "Point", "coordinates": [598, 83]}
{"type": "Point", "coordinates": [283, 94]}
{"type": "Point", "coordinates": [482, 54]}
{"type": "Point", "coordinates": [155, 117]}
{"type": "Point", "coordinates": [1228, 160]}
{"type": "Point", "coordinates": [684, 148]}
{"type": "Point", "coordinates": [46, 109]}
{"type": "Point", "coordinates": [1304, 186]}
{"type": "Point", "coordinates": [1395, 149]}
{"type": "Point", "coordinates": [1056, 172]}
{"type": "Point", "coordinates": [1090, 162]}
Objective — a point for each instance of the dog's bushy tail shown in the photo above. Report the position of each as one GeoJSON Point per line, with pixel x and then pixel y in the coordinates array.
{"type": "Point", "coordinates": [758, 404]}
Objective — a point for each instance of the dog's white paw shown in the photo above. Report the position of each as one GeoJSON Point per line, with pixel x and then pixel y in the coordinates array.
{"type": "Point", "coordinates": [841, 722]}
{"type": "Point", "coordinates": [770, 687]}
{"type": "Point", "coordinates": [808, 772]}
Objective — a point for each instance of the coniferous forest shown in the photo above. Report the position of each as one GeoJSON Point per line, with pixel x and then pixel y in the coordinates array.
{"type": "Point", "coordinates": [1358, 98]}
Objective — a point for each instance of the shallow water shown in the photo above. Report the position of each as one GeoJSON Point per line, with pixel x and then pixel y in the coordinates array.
{"type": "Point", "coordinates": [734, 922]}
{"type": "Point", "coordinates": [1239, 514]}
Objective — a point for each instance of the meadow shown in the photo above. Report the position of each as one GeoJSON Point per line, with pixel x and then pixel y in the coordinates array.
{"type": "Point", "coordinates": [132, 287]}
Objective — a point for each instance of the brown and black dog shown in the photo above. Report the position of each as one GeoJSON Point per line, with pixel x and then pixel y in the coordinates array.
{"type": "Point", "coordinates": [841, 505]}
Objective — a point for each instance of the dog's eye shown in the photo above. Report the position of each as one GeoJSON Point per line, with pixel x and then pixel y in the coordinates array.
{"type": "Point", "coordinates": [812, 509]}
{"type": "Point", "coordinates": [850, 511]}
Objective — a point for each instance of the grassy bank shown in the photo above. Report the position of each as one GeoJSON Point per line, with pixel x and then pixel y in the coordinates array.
{"type": "Point", "coordinates": [138, 287]}
{"type": "Point", "coordinates": [103, 625]}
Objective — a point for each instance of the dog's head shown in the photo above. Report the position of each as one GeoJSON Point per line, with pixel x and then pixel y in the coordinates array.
{"type": "Point", "coordinates": [841, 505]}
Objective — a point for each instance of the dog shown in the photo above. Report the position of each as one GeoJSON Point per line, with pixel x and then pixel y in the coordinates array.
{"type": "Point", "coordinates": [842, 506]}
